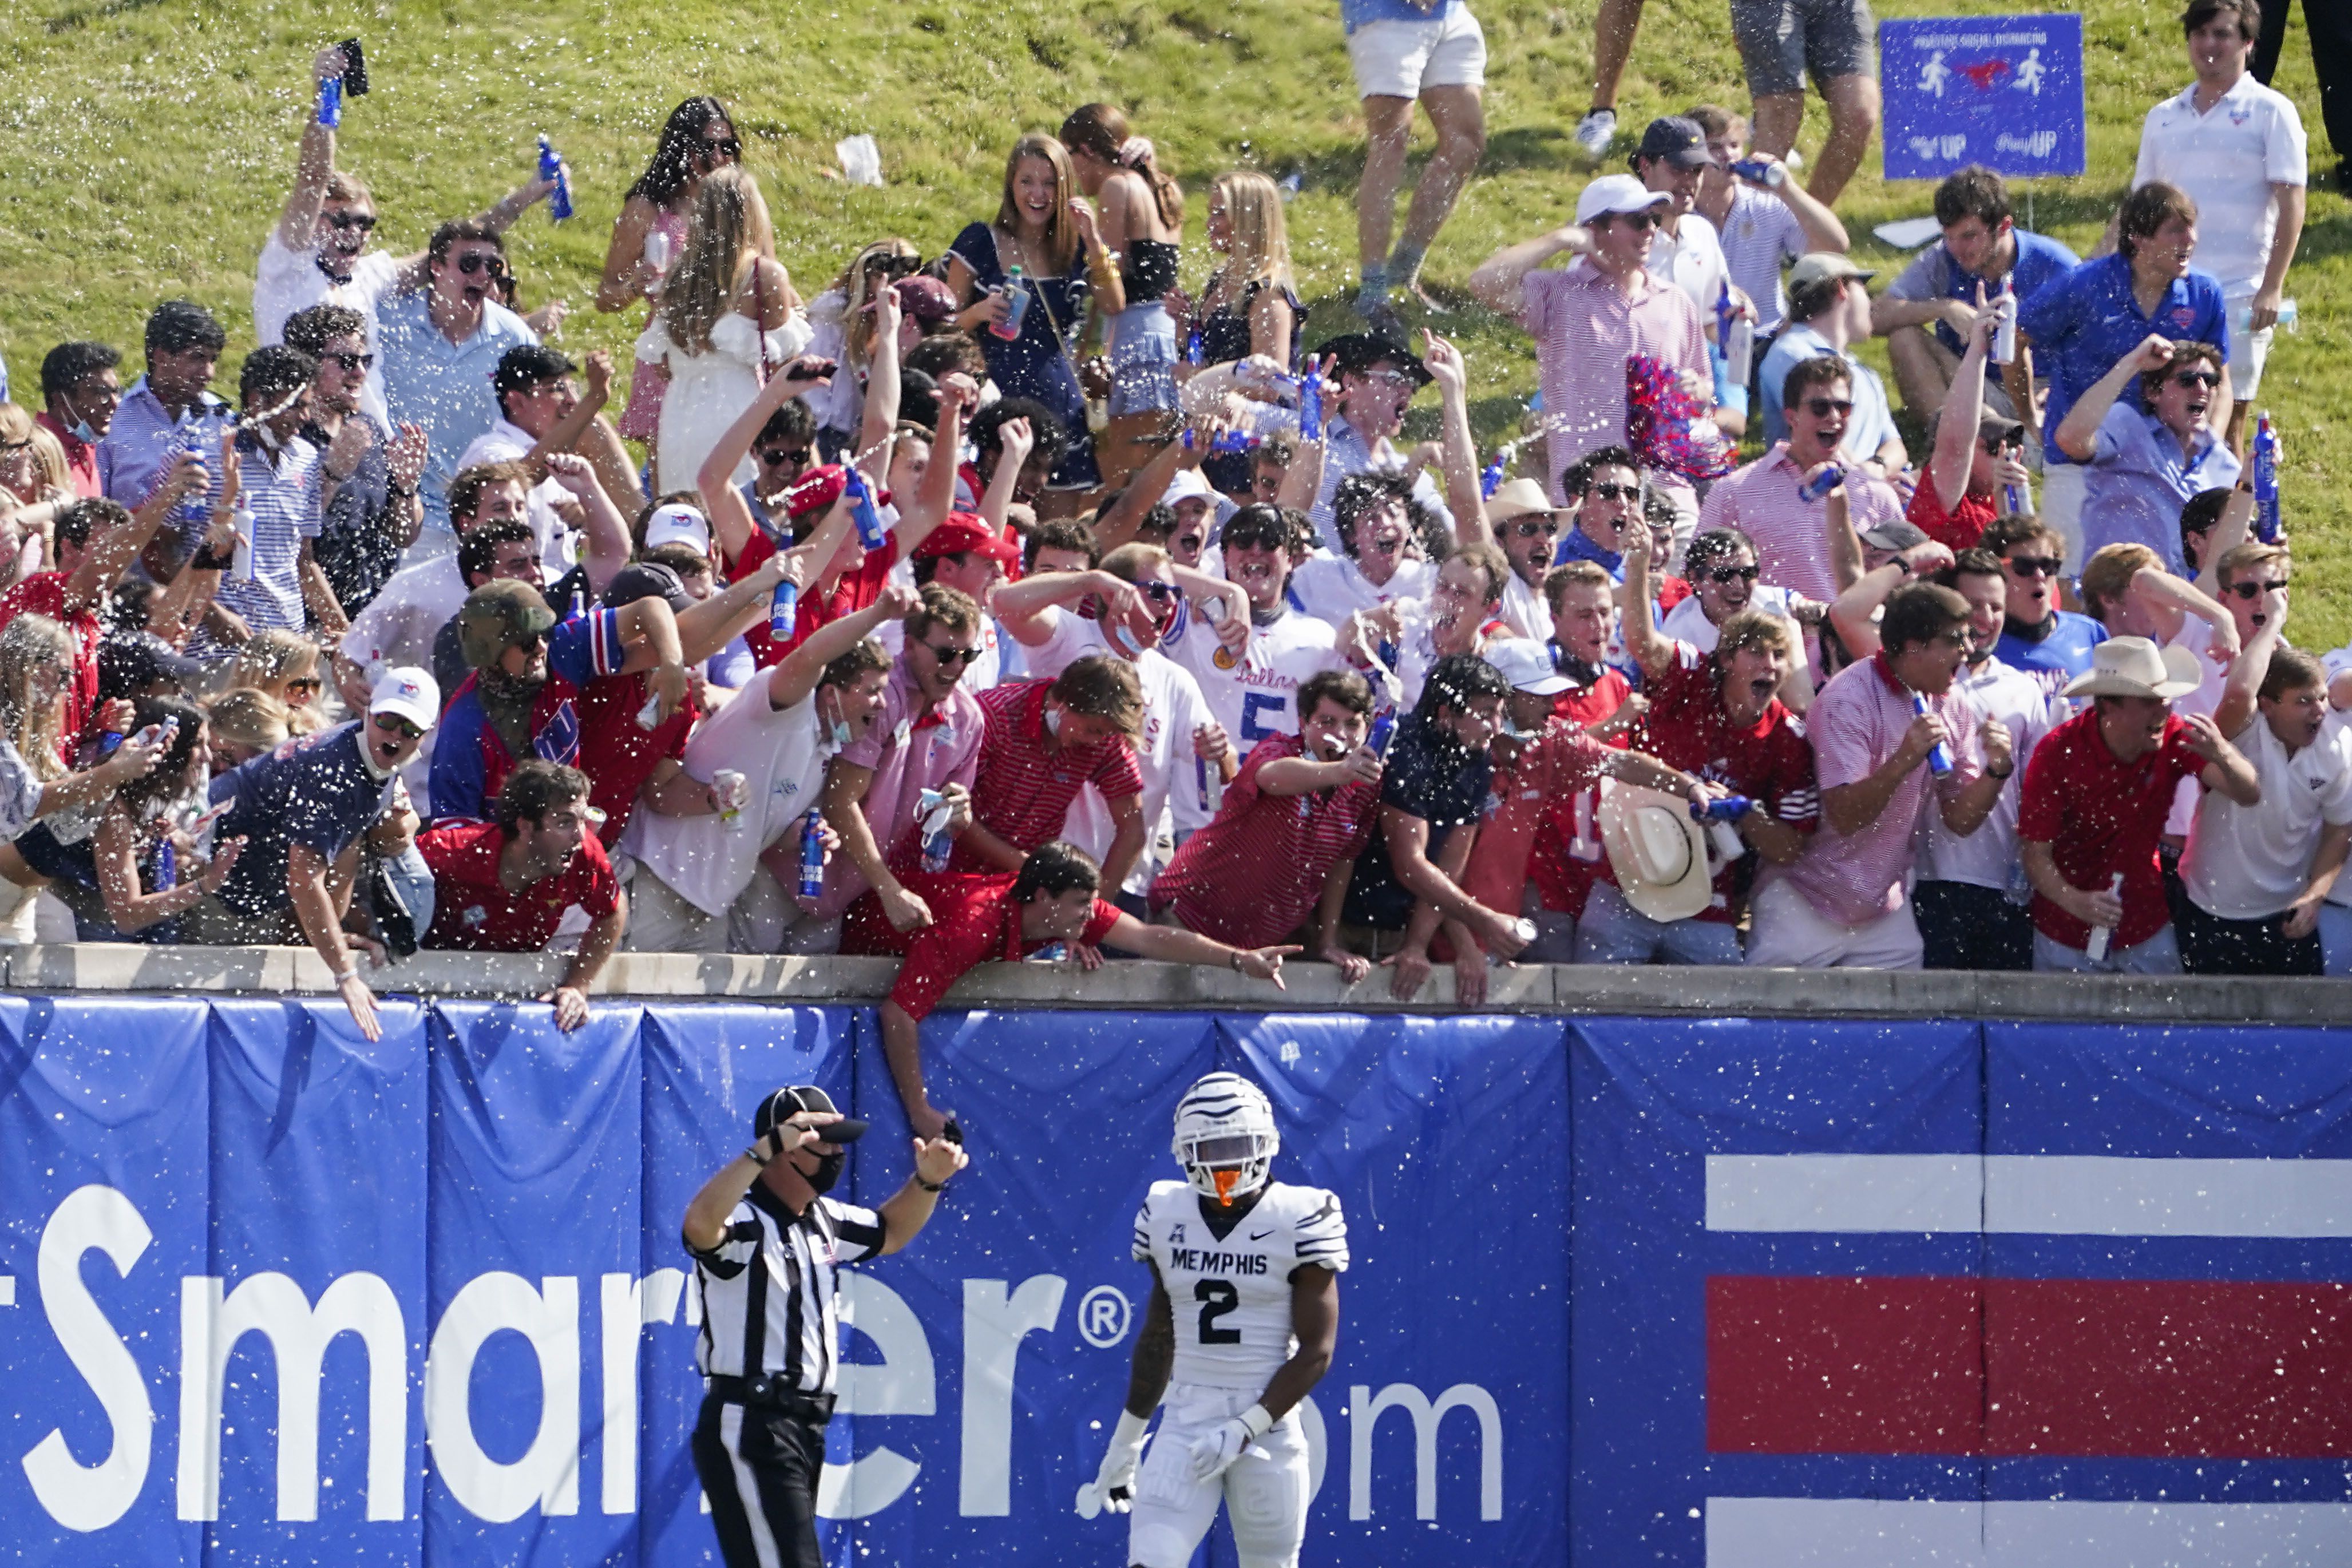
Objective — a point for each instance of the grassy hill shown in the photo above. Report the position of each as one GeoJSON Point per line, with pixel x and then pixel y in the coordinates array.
{"type": "Point", "coordinates": [149, 143]}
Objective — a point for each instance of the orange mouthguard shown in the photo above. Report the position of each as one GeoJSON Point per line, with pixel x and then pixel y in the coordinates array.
{"type": "Point", "coordinates": [1225, 1180]}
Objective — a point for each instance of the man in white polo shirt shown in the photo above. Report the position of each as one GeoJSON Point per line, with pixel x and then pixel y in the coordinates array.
{"type": "Point", "coordinates": [2237, 147]}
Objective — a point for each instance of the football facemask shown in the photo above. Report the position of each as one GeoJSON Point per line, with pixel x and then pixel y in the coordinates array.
{"type": "Point", "coordinates": [1225, 1136]}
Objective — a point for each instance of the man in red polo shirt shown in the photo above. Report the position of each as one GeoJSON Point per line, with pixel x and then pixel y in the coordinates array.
{"type": "Point", "coordinates": [1977, 453]}
{"type": "Point", "coordinates": [1717, 715]}
{"type": "Point", "coordinates": [97, 542]}
{"type": "Point", "coordinates": [980, 919]}
{"type": "Point", "coordinates": [1566, 852]}
{"type": "Point", "coordinates": [2098, 791]}
{"type": "Point", "coordinates": [502, 886]}
{"type": "Point", "coordinates": [852, 578]}
{"type": "Point", "coordinates": [1038, 744]}
{"type": "Point", "coordinates": [1289, 831]}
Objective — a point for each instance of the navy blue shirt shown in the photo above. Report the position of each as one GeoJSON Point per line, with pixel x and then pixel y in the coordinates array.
{"type": "Point", "coordinates": [2058, 655]}
{"type": "Point", "coordinates": [317, 791]}
{"type": "Point", "coordinates": [2085, 321]}
{"type": "Point", "coordinates": [1577, 545]}
{"type": "Point", "coordinates": [1428, 775]}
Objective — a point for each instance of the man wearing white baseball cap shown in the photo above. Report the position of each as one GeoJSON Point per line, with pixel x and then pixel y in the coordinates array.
{"type": "Point", "coordinates": [302, 811]}
{"type": "Point", "coordinates": [1587, 316]}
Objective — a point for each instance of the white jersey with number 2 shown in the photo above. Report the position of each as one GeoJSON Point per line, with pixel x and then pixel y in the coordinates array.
{"type": "Point", "coordinates": [1232, 1293]}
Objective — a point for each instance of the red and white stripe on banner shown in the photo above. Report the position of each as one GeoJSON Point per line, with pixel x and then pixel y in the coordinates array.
{"type": "Point", "coordinates": [2218, 1369]}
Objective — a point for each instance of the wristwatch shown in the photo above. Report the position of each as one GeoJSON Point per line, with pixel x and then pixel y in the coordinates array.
{"type": "Point", "coordinates": [929, 1187]}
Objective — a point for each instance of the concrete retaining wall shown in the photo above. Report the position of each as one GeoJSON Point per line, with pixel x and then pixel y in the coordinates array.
{"type": "Point", "coordinates": [1622, 992]}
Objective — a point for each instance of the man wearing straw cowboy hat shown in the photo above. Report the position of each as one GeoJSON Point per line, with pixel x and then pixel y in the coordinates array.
{"type": "Point", "coordinates": [2097, 794]}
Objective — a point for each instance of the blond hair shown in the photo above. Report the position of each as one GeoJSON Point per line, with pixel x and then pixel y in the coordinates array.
{"type": "Point", "coordinates": [30, 643]}
{"type": "Point", "coordinates": [1261, 249]}
{"type": "Point", "coordinates": [2107, 575]}
{"type": "Point", "coordinates": [857, 321]}
{"type": "Point", "coordinates": [1061, 234]}
{"type": "Point", "coordinates": [247, 716]}
{"type": "Point", "coordinates": [729, 230]}
{"type": "Point", "coordinates": [272, 655]}
{"type": "Point", "coordinates": [17, 427]}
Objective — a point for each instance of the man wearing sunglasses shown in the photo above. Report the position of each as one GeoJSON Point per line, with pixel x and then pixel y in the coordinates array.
{"type": "Point", "coordinates": [1765, 501]}
{"type": "Point", "coordinates": [367, 504]}
{"type": "Point", "coordinates": [438, 351]}
{"type": "Point", "coordinates": [318, 254]}
{"type": "Point", "coordinates": [542, 418]}
{"type": "Point", "coordinates": [1977, 458]}
{"type": "Point", "coordinates": [2051, 645]}
{"type": "Point", "coordinates": [1720, 567]}
{"type": "Point", "coordinates": [1829, 312]}
{"type": "Point", "coordinates": [302, 811]}
{"type": "Point", "coordinates": [1587, 317]}
{"type": "Point", "coordinates": [1254, 694]}
{"type": "Point", "coordinates": [2146, 457]}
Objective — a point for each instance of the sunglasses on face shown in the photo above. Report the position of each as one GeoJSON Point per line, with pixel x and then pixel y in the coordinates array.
{"type": "Point", "coordinates": [23, 446]}
{"type": "Point", "coordinates": [780, 457]}
{"type": "Point", "coordinates": [1822, 407]}
{"type": "Point", "coordinates": [717, 147]}
{"type": "Point", "coordinates": [2000, 448]}
{"type": "Point", "coordinates": [394, 724]}
{"type": "Point", "coordinates": [363, 222]}
{"type": "Point", "coordinates": [475, 261]}
{"type": "Point", "coordinates": [349, 363]}
{"type": "Point", "coordinates": [893, 266]}
{"type": "Point", "coordinates": [1617, 492]}
{"type": "Point", "coordinates": [1723, 575]}
{"type": "Point", "coordinates": [2196, 379]}
{"type": "Point", "coordinates": [2255, 590]}
{"type": "Point", "coordinates": [953, 655]}
{"type": "Point", "coordinates": [1529, 527]}
{"type": "Point", "coordinates": [1162, 593]}
{"type": "Point", "coordinates": [1638, 221]}
{"type": "Point", "coordinates": [2035, 565]}
{"type": "Point", "coordinates": [305, 686]}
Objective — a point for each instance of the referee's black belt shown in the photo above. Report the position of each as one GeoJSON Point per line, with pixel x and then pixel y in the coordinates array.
{"type": "Point", "coordinates": [770, 1392]}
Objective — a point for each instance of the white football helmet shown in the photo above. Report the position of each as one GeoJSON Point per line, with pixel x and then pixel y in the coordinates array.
{"type": "Point", "coordinates": [1225, 1136]}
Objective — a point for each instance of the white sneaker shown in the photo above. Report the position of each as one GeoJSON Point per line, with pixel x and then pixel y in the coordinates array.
{"type": "Point", "coordinates": [1596, 131]}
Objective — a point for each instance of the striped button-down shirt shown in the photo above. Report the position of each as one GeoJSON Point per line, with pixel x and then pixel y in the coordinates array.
{"type": "Point", "coordinates": [1759, 233]}
{"type": "Point", "coordinates": [769, 1298]}
{"type": "Point", "coordinates": [1791, 534]}
{"type": "Point", "coordinates": [281, 495]}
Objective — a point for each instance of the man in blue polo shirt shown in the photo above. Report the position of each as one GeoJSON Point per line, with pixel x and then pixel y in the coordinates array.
{"type": "Point", "coordinates": [1927, 312]}
{"type": "Point", "coordinates": [2051, 646]}
{"type": "Point", "coordinates": [2100, 311]}
{"type": "Point", "coordinates": [2144, 459]}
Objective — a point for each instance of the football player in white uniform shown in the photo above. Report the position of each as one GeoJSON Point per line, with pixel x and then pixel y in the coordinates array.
{"type": "Point", "coordinates": [1244, 1316]}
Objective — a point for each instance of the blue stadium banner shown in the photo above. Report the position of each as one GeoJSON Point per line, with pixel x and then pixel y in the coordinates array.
{"type": "Point", "coordinates": [1718, 1293]}
{"type": "Point", "coordinates": [2002, 91]}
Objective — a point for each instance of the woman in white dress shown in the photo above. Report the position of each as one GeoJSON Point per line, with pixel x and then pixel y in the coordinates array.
{"type": "Point", "coordinates": [728, 317]}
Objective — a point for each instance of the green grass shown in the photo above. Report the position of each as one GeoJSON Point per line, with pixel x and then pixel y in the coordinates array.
{"type": "Point", "coordinates": [149, 143]}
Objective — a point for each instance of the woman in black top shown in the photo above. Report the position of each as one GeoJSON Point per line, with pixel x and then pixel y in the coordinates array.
{"type": "Point", "coordinates": [1046, 229]}
{"type": "Point", "coordinates": [1142, 225]}
{"type": "Point", "coordinates": [1251, 303]}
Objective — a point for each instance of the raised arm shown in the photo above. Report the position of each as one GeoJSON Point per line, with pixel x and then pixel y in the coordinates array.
{"type": "Point", "coordinates": [2229, 530]}
{"type": "Point", "coordinates": [298, 221]}
{"type": "Point", "coordinates": [2078, 432]}
{"type": "Point", "coordinates": [797, 674]}
{"type": "Point", "coordinates": [607, 531]}
{"type": "Point", "coordinates": [1495, 280]}
{"type": "Point", "coordinates": [1955, 431]}
{"type": "Point", "coordinates": [1822, 229]}
{"type": "Point", "coordinates": [729, 514]}
{"type": "Point", "coordinates": [1644, 644]}
{"type": "Point", "coordinates": [1458, 450]}
{"type": "Point", "coordinates": [2237, 708]}
{"type": "Point", "coordinates": [880, 415]}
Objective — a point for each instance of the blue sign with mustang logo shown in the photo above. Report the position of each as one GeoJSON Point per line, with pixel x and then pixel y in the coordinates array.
{"type": "Point", "coordinates": [2002, 91]}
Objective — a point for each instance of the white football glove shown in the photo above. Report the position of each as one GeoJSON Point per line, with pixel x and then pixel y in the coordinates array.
{"type": "Point", "coordinates": [1113, 1488]}
{"type": "Point", "coordinates": [1220, 1448]}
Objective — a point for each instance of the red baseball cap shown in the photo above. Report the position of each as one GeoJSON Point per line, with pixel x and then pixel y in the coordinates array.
{"type": "Point", "coordinates": [965, 530]}
{"type": "Point", "coordinates": [816, 490]}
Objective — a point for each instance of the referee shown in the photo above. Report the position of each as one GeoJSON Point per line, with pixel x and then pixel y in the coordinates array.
{"type": "Point", "coordinates": [766, 1240]}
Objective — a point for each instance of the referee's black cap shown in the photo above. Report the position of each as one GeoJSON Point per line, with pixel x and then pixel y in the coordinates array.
{"type": "Point", "coordinates": [786, 1103]}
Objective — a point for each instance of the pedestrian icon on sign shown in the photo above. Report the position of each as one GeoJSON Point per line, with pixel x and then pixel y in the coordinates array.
{"type": "Point", "coordinates": [1934, 74]}
{"type": "Point", "coordinates": [2028, 73]}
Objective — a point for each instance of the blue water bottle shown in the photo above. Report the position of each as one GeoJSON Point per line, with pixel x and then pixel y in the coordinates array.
{"type": "Point", "coordinates": [2266, 496]}
{"type": "Point", "coordinates": [1310, 405]}
{"type": "Point", "coordinates": [1490, 477]}
{"type": "Point", "coordinates": [1939, 761]}
{"type": "Point", "coordinates": [938, 847]}
{"type": "Point", "coordinates": [1384, 732]}
{"type": "Point", "coordinates": [861, 504]}
{"type": "Point", "coordinates": [551, 167]}
{"type": "Point", "coordinates": [331, 102]}
{"type": "Point", "coordinates": [783, 610]}
{"type": "Point", "coordinates": [1821, 484]}
{"type": "Point", "coordinates": [1195, 355]}
{"type": "Point", "coordinates": [812, 855]}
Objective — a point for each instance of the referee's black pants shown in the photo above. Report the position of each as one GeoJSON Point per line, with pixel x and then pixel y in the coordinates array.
{"type": "Point", "coordinates": [759, 1464]}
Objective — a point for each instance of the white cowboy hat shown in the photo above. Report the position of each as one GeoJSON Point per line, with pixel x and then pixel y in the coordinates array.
{"type": "Point", "coordinates": [1517, 499]}
{"type": "Point", "coordinates": [1657, 849]}
{"type": "Point", "coordinates": [2135, 667]}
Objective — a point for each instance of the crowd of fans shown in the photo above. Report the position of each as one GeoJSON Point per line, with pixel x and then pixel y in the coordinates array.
{"type": "Point", "coordinates": [1013, 598]}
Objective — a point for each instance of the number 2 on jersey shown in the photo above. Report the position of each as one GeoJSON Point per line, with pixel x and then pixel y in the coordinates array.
{"type": "Point", "coordinates": [1217, 1296]}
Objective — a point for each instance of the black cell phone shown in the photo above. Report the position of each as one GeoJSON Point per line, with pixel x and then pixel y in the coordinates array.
{"type": "Point", "coordinates": [952, 1132]}
{"type": "Point", "coordinates": [355, 81]}
{"type": "Point", "coordinates": [804, 370]}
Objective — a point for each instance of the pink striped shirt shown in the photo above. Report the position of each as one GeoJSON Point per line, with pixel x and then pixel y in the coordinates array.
{"type": "Point", "coordinates": [1584, 325]}
{"type": "Point", "coordinates": [1791, 534]}
{"type": "Point", "coordinates": [1857, 724]}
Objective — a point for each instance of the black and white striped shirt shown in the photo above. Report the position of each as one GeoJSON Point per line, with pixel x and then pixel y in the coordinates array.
{"type": "Point", "coordinates": [768, 1297]}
